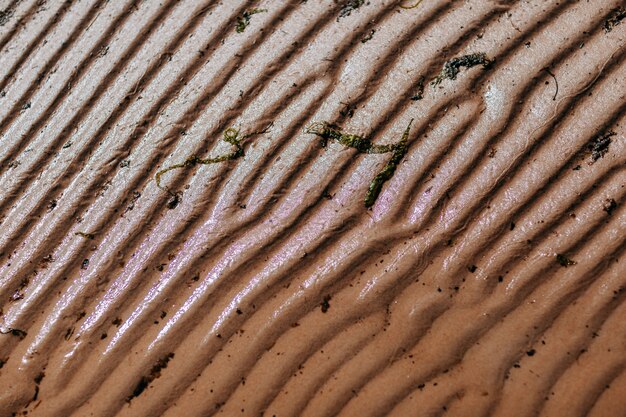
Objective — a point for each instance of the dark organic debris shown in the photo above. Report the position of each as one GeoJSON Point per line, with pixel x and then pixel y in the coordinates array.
{"type": "Point", "coordinates": [14, 332]}
{"type": "Point", "coordinates": [174, 200]}
{"type": "Point", "coordinates": [609, 205]}
{"type": "Point", "coordinates": [155, 373]}
{"type": "Point", "coordinates": [5, 16]}
{"type": "Point", "coordinates": [618, 15]}
{"type": "Point", "coordinates": [349, 7]}
{"type": "Point", "coordinates": [452, 67]}
{"type": "Point", "coordinates": [564, 260]}
{"type": "Point", "coordinates": [69, 333]}
{"type": "Point", "coordinates": [348, 110]}
{"type": "Point", "coordinates": [17, 295]}
{"type": "Point", "coordinates": [325, 303]}
{"type": "Point", "coordinates": [103, 51]}
{"type": "Point", "coordinates": [420, 89]}
{"type": "Point", "coordinates": [244, 20]}
{"type": "Point", "coordinates": [89, 236]}
{"type": "Point", "coordinates": [369, 36]}
{"type": "Point", "coordinates": [131, 206]}
{"type": "Point", "coordinates": [38, 380]}
{"type": "Point", "coordinates": [599, 146]}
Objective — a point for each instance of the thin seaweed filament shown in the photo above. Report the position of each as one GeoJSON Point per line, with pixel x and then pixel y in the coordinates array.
{"type": "Point", "coordinates": [231, 136]}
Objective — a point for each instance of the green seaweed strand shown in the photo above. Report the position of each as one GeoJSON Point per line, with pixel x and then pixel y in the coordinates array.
{"type": "Point", "coordinates": [231, 136]}
{"type": "Point", "coordinates": [244, 20]}
{"type": "Point", "coordinates": [330, 132]}
{"type": "Point", "coordinates": [453, 67]}
{"type": "Point", "coordinates": [411, 7]}
{"type": "Point", "coordinates": [398, 150]}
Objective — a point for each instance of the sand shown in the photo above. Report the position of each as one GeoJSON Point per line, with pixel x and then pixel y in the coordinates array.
{"type": "Point", "coordinates": [312, 208]}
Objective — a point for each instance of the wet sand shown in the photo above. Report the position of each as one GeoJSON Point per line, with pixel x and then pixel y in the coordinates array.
{"type": "Point", "coordinates": [312, 208]}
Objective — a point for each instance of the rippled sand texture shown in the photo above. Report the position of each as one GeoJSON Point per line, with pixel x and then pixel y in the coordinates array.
{"type": "Point", "coordinates": [487, 279]}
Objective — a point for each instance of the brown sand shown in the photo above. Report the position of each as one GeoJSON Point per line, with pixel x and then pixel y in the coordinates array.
{"type": "Point", "coordinates": [487, 278]}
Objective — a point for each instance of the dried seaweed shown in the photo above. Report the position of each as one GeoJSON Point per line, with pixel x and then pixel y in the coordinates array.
{"type": "Point", "coordinates": [599, 146]}
{"type": "Point", "coordinates": [244, 20]}
{"type": "Point", "coordinates": [348, 7]}
{"type": "Point", "coordinates": [5, 16]}
{"type": "Point", "coordinates": [453, 67]}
